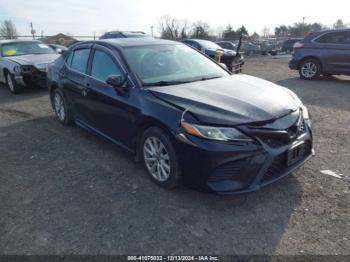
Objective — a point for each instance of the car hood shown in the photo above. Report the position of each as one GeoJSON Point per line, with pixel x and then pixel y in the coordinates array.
{"type": "Point", "coordinates": [226, 52]}
{"type": "Point", "coordinates": [229, 52]}
{"type": "Point", "coordinates": [36, 60]}
{"type": "Point", "coordinates": [231, 100]}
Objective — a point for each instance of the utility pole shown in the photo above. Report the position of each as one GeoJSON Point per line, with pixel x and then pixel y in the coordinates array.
{"type": "Point", "coordinates": [32, 31]}
{"type": "Point", "coordinates": [303, 26]}
{"type": "Point", "coordinates": [152, 30]}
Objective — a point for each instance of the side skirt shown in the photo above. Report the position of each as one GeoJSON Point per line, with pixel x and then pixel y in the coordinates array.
{"type": "Point", "coordinates": [97, 132]}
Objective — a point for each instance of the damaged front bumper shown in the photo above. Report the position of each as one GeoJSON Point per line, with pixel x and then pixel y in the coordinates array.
{"type": "Point", "coordinates": [231, 168]}
{"type": "Point", "coordinates": [31, 76]}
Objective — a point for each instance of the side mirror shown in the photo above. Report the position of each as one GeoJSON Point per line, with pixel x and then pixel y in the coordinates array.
{"type": "Point", "coordinates": [117, 82]}
{"type": "Point", "coordinates": [59, 51]}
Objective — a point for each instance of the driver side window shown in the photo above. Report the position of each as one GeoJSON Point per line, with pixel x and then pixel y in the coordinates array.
{"type": "Point", "coordinates": [103, 66]}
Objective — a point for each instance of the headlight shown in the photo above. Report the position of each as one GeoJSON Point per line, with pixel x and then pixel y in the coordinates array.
{"type": "Point", "coordinates": [42, 67]}
{"type": "Point", "coordinates": [215, 133]}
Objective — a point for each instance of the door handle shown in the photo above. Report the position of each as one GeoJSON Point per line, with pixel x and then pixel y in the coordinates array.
{"type": "Point", "coordinates": [86, 90]}
{"type": "Point", "coordinates": [62, 74]}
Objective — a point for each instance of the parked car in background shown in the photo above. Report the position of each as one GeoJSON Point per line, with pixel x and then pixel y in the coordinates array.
{"type": "Point", "coordinates": [250, 48]}
{"type": "Point", "coordinates": [325, 52]}
{"type": "Point", "coordinates": [267, 47]}
{"type": "Point", "coordinates": [188, 119]}
{"type": "Point", "coordinates": [24, 63]}
{"type": "Point", "coordinates": [287, 45]}
{"type": "Point", "coordinates": [227, 45]}
{"type": "Point", "coordinates": [124, 34]}
{"type": "Point", "coordinates": [230, 58]}
{"type": "Point", "coordinates": [59, 49]}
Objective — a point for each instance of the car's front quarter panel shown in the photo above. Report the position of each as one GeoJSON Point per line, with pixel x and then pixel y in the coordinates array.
{"type": "Point", "coordinates": [153, 109]}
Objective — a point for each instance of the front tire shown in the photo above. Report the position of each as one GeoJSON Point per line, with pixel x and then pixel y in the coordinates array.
{"type": "Point", "coordinates": [310, 69]}
{"type": "Point", "coordinates": [160, 158]}
{"type": "Point", "coordinates": [61, 107]}
{"type": "Point", "coordinates": [12, 84]}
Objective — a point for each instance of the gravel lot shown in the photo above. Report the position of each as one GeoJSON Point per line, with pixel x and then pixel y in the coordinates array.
{"type": "Point", "coordinates": [64, 190]}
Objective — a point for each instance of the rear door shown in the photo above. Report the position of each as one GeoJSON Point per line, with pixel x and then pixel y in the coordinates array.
{"type": "Point", "coordinates": [75, 80]}
{"type": "Point", "coordinates": [335, 52]}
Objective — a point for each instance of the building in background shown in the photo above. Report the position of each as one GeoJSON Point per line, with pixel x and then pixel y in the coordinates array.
{"type": "Point", "coordinates": [59, 39]}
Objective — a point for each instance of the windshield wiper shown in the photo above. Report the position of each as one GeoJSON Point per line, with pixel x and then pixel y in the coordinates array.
{"type": "Point", "coordinates": [168, 83]}
{"type": "Point", "coordinates": [165, 83]}
{"type": "Point", "coordinates": [208, 78]}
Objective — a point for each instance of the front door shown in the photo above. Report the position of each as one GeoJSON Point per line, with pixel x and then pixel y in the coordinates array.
{"type": "Point", "coordinates": [113, 115]}
{"type": "Point", "coordinates": [336, 51]}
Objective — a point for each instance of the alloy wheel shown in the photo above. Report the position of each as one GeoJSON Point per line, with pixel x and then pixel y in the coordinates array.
{"type": "Point", "coordinates": [59, 107]}
{"type": "Point", "coordinates": [157, 159]}
{"type": "Point", "coordinates": [309, 70]}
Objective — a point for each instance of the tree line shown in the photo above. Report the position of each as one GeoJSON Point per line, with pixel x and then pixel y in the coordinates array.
{"type": "Point", "coordinates": [177, 29]}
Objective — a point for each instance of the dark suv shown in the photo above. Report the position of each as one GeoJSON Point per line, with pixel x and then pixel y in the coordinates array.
{"type": "Point", "coordinates": [325, 52]}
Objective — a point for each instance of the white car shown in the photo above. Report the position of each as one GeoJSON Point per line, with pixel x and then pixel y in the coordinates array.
{"type": "Point", "coordinates": [24, 63]}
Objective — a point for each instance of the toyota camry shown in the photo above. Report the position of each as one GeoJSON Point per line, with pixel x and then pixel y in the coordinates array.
{"type": "Point", "coordinates": [188, 119]}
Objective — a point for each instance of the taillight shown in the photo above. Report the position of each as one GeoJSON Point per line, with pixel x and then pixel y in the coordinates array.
{"type": "Point", "coordinates": [298, 45]}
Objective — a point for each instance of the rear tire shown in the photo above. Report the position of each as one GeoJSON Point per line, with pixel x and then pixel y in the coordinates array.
{"type": "Point", "coordinates": [12, 84]}
{"type": "Point", "coordinates": [310, 69]}
{"type": "Point", "coordinates": [160, 158]}
{"type": "Point", "coordinates": [61, 107]}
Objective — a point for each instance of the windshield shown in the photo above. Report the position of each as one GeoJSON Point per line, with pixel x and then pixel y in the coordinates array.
{"type": "Point", "coordinates": [171, 63]}
{"type": "Point", "coordinates": [25, 48]}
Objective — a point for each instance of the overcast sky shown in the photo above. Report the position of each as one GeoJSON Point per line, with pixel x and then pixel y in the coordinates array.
{"type": "Point", "coordinates": [84, 17]}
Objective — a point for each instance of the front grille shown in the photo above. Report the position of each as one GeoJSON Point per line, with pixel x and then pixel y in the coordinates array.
{"type": "Point", "coordinates": [274, 143]}
{"type": "Point", "coordinates": [227, 171]}
{"type": "Point", "coordinates": [285, 137]}
{"type": "Point", "coordinates": [279, 164]}
{"type": "Point", "coordinates": [277, 167]}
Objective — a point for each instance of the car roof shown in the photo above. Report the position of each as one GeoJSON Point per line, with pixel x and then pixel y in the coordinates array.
{"type": "Point", "coordinates": [127, 32]}
{"type": "Point", "coordinates": [128, 42]}
{"type": "Point", "coordinates": [17, 41]}
{"type": "Point", "coordinates": [315, 34]}
{"type": "Point", "coordinates": [334, 30]}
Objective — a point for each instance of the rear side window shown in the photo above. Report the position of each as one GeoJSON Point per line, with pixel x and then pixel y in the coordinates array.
{"type": "Point", "coordinates": [335, 38]}
{"type": "Point", "coordinates": [80, 59]}
{"type": "Point", "coordinates": [103, 66]}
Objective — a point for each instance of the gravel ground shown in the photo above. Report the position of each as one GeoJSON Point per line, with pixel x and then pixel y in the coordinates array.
{"type": "Point", "coordinates": [66, 191]}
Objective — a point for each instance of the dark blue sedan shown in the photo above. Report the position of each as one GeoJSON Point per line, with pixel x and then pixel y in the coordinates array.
{"type": "Point", "coordinates": [187, 118]}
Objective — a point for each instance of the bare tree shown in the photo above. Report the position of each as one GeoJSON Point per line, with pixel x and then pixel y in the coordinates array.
{"type": "Point", "coordinates": [8, 30]}
{"type": "Point", "coordinates": [173, 28]}
{"type": "Point", "coordinates": [339, 24]}
{"type": "Point", "coordinates": [201, 30]}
